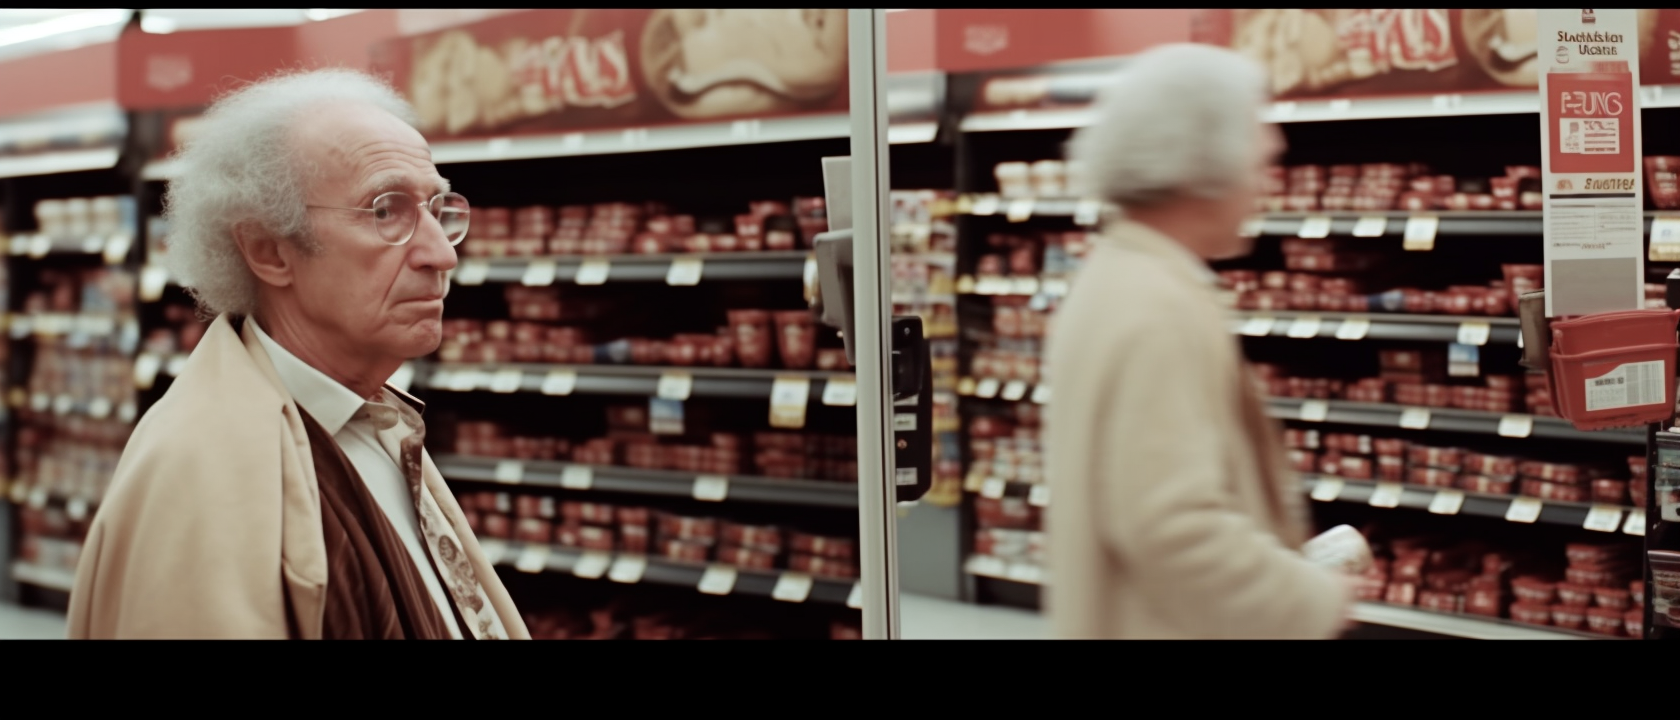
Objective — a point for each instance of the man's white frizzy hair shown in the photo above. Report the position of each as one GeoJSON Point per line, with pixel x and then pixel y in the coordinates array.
{"type": "Point", "coordinates": [241, 166]}
{"type": "Point", "coordinates": [1178, 120]}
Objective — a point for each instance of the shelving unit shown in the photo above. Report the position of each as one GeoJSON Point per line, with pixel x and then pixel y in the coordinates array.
{"type": "Point", "coordinates": [637, 481]}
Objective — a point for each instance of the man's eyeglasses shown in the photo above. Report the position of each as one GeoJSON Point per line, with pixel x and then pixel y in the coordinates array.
{"type": "Point", "coordinates": [396, 215]}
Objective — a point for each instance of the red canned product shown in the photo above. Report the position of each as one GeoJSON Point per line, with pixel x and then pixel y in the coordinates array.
{"type": "Point", "coordinates": [1494, 465]}
{"type": "Point", "coordinates": [1485, 484]}
{"type": "Point", "coordinates": [1531, 613]}
{"type": "Point", "coordinates": [1533, 590]}
{"type": "Point", "coordinates": [1435, 457]}
{"type": "Point", "coordinates": [1607, 490]}
{"type": "Point", "coordinates": [1574, 595]}
{"type": "Point", "coordinates": [1633, 622]}
{"type": "Point", "coordinates": [1613, 598]}
{"type": "Point", "coordinates": [1569, 617]}
{"type": "Point", "coordinates": [1433, 477]}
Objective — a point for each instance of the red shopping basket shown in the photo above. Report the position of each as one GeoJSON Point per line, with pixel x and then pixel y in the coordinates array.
{"type": "Point", "coordinates": [1614, 369]}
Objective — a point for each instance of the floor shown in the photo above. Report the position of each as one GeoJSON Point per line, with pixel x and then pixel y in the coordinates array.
{"type": "Point", "coordinates": [923, 618]}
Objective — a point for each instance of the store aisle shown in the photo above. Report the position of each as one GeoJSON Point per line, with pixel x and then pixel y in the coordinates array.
{"type": "Point", "coordinates": [927, 618]}
{"type": "Point", "coordinates": [19, 623]}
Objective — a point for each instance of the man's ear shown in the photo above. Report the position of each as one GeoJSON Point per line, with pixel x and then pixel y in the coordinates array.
{"type": "Point", "coordinates": [264, 254]}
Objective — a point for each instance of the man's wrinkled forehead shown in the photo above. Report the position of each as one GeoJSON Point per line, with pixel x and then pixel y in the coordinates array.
{"type": "Point", "coordinates": [369, 150]}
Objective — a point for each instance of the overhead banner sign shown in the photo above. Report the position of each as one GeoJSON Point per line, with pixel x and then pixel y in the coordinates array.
{"type": "Point", "coordinates": [557, 70]}
{"type": "Point", "coordinates": [1591, 158]}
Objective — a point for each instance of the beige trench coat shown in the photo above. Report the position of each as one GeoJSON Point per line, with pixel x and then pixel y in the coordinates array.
{"type": "Point", "coordinates": [1173, 513]}
{"type": "Point", "coordinates": [213, 518]}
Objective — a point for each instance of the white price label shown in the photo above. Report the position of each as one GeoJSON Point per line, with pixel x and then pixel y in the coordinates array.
{"type": "Point", "coordinates": [494, 550]}
{"type": "Point", "coordinates": [577, 477]}
{"type": "Point", "coordinates": [1447, 502]}
{"type": "Point", "coordinates": [1420, 232]}
{"type": "Point", "coordinates": [1014, 390]}
{"type": "Point", "coordinates": [1039, 495]}
{"type": "Point", "coordinates": [1314, 410]}
{"type": "Point", "coordinates": [792, 587]}
{"type": "Point", "coordinates": [99, 408]}
{"type": "Point", "coordinates": [593, 272]}
{"type": "Point", "coordinates": [506, 381]}
{"type": "Point", "coordinates": [1252, 227]}
{"type": "Point", "coordinates": [560, 382]}
{"type": "Point", "coordinates": [675, 385]}
{"type": "Point", "coordinates": [116, 248]}
{"type": "Point", "coordinates": [1258, 326]}
{"type": "Point", "coordinates": [1370, 226]}
{"type": "Point", "coordinates": [466, 380]}
{"type": "Point", "coordinates": [403, 377]}
{"type": "Point", "coordinates": [40, 402]}
{"type": "Point", "coordinates": [1354, 328]}
{"type": "Point", "coordinates": [152, 281]}
{"type": "Point", "coordinates": [1305, 327]}
{"type": "Point", "coordinates": [146, 366]}
{"type": "Point", "coordinates": [1387, 495]}
{"type": "Point", "coordinates": [127, 411]}
{"type": "Point", "coordinates": [854, 600]}
{"type": "Point", "coordinates": [533, 559]}
{"type": "Point", "coordinates": [510, 471]}
{"type": "Point", "coordinates": [986, 205]}
{"type": "Point", "coordinates": [628, 569]}
{"type": "Point", "coordinates": [475, 272]}
{"type": "Point", "coordinates": [63, 404]}
{"type": "Point", "coordinates": [1414, 419]}
{"type": "Point", "coordinates": [177, 364]}
{"type": "Point", "coordinates": [718, 580]}
{"type": "Point", "coordinates": [1087, 213]}
{"type": "Point", "coordinates": [965, 386]}
{"type": "Point", "coordinates": [592, 565]}
{"type": "Point", "coordinates": [441, 380]}
{"type": "Point", "coordinates": [540, 273]}
{"type": "Point", "coordinates": [1665, 239]}
{"type": "Point", "coordinates": [840, 392]}
{"type": "Point", "coordinates": [1524, 510]}
{"type": "Point", "coordinates": [92, 244]}
{"type": "Point", "coordinates": [1516, 426]}
{"type": "Point", "coordinates": [711, 488]}
{"type": "Point", "coordinates": [1024, 286]}
{"type": "Point", "coordinates": [1315, 227]}
{"type": "Point", "coordinates": [1327, 489]}
{"type": "Point", "coordinates": [993, 488]}
{"type": "Point", "coordinates": [39, 246]}
{"type": "Point", "coordinates": [37, 498]}
{"type": "Point", "coordinates": [1635, 524]}
{"type": "Point", "coordinates": [1041, 394]}
{"type": "Point", "coordinates": [1056, 287]}
{"type": "Point", "coordinates": [685, 272]}
{"type": "Point", "coordinates": [1020, 210]}
{"type": "Point", "coordinates": [1474, 333]}
{"type": "Point", "coordinates": [788, 398]}
{"type": "Point", "coordinates": [76, 508]}
{"type": "Point", "coordinates": [1603, 518]}
{"type": "Point", "coordinates": [987, 388]}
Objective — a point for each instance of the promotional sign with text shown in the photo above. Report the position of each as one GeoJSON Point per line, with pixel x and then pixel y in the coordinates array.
{"type": "Point", "coordinates": [1590, 140]}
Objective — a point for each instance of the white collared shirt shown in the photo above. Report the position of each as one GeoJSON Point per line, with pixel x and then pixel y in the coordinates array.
{"type": "Point", "coordinates": [333, 405]}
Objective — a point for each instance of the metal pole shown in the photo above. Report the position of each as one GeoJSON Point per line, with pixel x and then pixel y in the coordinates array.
{"type": "Point", "coordinates": [872, 300]}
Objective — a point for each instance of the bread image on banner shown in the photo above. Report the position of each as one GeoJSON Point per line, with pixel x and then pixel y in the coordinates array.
{"type": "Point", "coordinates": [713, 63]}
{"type": "Point", "coordinates": [459, 85]}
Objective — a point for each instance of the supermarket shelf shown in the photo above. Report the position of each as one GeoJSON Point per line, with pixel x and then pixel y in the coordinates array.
{"type": "Point", "coordinates": [1006, 390]}
{"type": "Point", "coordinates": [113, 247]}
{"type": "Point", "coordinates": [41, 576]}
{"type": "Point", "coordinates": [1425, 328]}
{"type": "Point", "coordinates": [788, 265]}
{"type": "Point", "coordinates": [1459, 626]}
{"type": "Point", "coordinates": [617, 379]}
{"type": "Point", "coordinates": [1000, 569]}
{"type": "Point", "coordinates": [22, 325]}
{"type": "Point", "coordinates": [50, 163]}
{"type": "Point", "coordinates": [1022, 208]}
{"type": "Point", "coordinates": [659, 571]}
{"type": "Point", "coordinates": [1013, 285]}
{"type": "Point", "coordinates": [1465, 421]}
{"type": "Point", "coordinates": [1467, 222]}
{"type": "Point", "coordinates": [97, 408]}
{"type": "Point", "coordinates": [1419, 497]}
{"type": "Point", "coordinates": [741, 488]}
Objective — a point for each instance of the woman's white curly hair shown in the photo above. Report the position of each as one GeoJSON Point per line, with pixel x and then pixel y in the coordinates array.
{"type": "Point", "coordinates": [241, 166]}
{"type": "Point", "coordinates": [1179, 119]}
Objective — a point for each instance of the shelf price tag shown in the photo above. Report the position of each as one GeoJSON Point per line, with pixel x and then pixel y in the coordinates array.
{"type": "Point", "coordinates": [592, 565]}
{"type": "Point", "coordinates": [19, 493]}
{"type": "Point", "coordinates": [1635, 524]}
{"type": "Point", "coordinates": [1041, 394]}
{"type": "Point", "coordinates": [1020, 210]}
{"type": "Point", "coordinates": [1447, 502]}
{"type": "Point", "coordinates": [1314, 410]}
{"type": "Point", "coordinates": [1414, 419]}
{"type": "Point", "coordinates": [1056, 286]}
{"type": "Point", "coordinates": [840, 392]}
{"type": "Point", "coordinates": [403, 377]}
{"type": "Point", "coordinates": [628, 569]}
{"type": "Point", "coordinates": [1420, 232]}
{"type": "Point", "coordinates": [466, 380]}
{"type": "Point", "coordinates": [510, 471]}
{"type": "Point", "coordinates": [1252, 227]}
{"type": "Point", "coordinates": [475, 272]}
{"type": "Point", "coordinates": [99, 408]}
{"type": "Point", "coordinates": [854, 600]}
{"type": "Point", "coordinates": [1516, 426]}
{"type": "Point", "coordinates": [1474, 333]}
{"type": "Point", "coordinates": [116, 248]}
{"type": "Point", "coordinates": [152, 281]}
{"type": "Point", "coordinates": [1305, 327]}
{"type": "Point", "coordinates": [1327, 489]}
{"type": "Point", "coordinates": [559, 382]}
{"type": "Point", "coordinates": [684, 272]}
{"type": "Point", "coordinates": [92, 244]}
{"type": "Point", "coordinates": [38, 497]}
{"type": "Point", "coordinates": [506, 381]}
{"type": "Point", "coordinates": [532, 559]}
{"type": "Point", "coordinates": [1370, 226]}
{"type": "Point", "coordinates": [1014, 390]}
{"type": "Point", "coordinates": [577, 477]}
{"type": "Point", "coordinates": [1024, 285]}
{"type": "Point", "coordinates": [986, 205]}
{"type": "Point", "coordinates": [593, 272]}
{"type": "Point", "coordinates": [146, 367]}
{"type": "Point", "coordinates": [177, 364]}
{"type": "Point", "coordinates": [1087, 213]}
{"type": "Point", "coordinates": [1259, 326]}
{"type": "Point", "coordinates": [973, 481]}
{"type": "Point", "coordinates": [965, 386]}
{"type": "Point", "coordinates": [711, 488]}
{"type": "Point", "coordinates": [1315, 227]}
{"type": "Point", "coordinates": [63, 404]}
{"type": "Point", "coordinates": [1354, 328]}
{"type": "Point", "coordinates": [1665, 239]}
{"type": "Point", "coordinates": [1039, 496]}
{"type": "Point", "coordinates": [993, 488]}
{"type": "Point", "coordinates": [718, 580]}
{"type": "Point", "coordinates": [76, 508]}
{"type": "Point", "coordinates": [539, 273]}
{"type": "Point", "coordinates": [494, 550]}
{"type": "Point", "coordinates": [1603, 518]}
{"type": "Point", "coordinates": [39, 246]}
{"type": "Point", "coordinates": [127, 411]}
{"type": "Point", "coordinates": [788, 399]}
{"type": "Point", "coordinates": [1524, 510]}
{"type": "Point", "coordinates": [792, 587]}
{"type": "Point", "coordinates": [1387, 495]}
{"type": "Point", "coordinates": [987, 388]}
{"type": "Point", "coordinates": [965, 285]}
{"type": "Point", "coordinates": [675, 385]}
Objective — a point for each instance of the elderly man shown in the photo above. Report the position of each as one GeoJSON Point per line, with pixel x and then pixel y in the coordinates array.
{"type": "Point", "coordinates": [1174, 517]}
{"type": "Point", "coordinates": [280, 489]}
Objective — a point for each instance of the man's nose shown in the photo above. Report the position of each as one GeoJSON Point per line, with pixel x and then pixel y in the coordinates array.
{"type": "Point", "coordinates": [430, 246]}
